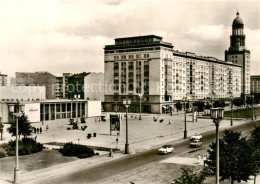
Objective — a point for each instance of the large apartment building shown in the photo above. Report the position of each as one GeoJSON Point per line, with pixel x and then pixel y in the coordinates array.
{"type": "Point", "coordinates": [149, 66]}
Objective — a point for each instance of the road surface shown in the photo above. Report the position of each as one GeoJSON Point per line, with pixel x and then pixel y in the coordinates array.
{"type": "Point", "coordinates": [106, 170]}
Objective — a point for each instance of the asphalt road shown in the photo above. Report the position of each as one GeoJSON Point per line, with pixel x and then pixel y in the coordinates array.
{"type": "Point", "coordinates": [106, 170]}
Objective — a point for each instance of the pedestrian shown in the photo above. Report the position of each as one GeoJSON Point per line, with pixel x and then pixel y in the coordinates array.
{"type": "Point", "coordinates": [40, 130]}
{"type": "Point", "coordinates": [34, 129]}
{"type": "Point", "coordinates": [154, 118]}
{"type": "Point", "coordinates": [199, 159]}
{"type": "Point", "coordinates": [111, 153]}
{"type": "Point", "coordinates": [169, 122]}
{"type": "Point", "coordinates": [37, 130]}
{"type": "Point", "coordinates": [42, 122]}
{"type": "Point", "coordinates": [47, 127]}
{"type": "Point", "coordinates": [35, 137]}
{"type": "Point", "coordinates": [204, 160]}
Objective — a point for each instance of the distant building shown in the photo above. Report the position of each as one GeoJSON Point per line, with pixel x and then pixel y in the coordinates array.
{"type": "Point", "coordinates": [255, 84]}
{"type": "Point", "coordinates": [149, 66]}
{"type": "Point", "coordinates": [76, 85]}
{"type": "Point", "coordinates": [3, 80]}
{"type": "Point", "coordinates": [238, 53]}
{"type": "Point", "coordinates": [94, 87]}
{"type": "Point", "coordinates": [38, 79]}
{"type": "Point", "coordinates": [65, 77]}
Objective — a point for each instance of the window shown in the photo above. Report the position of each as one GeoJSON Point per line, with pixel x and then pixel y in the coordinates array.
{"type": "Point", "coordinates": [146, 55]}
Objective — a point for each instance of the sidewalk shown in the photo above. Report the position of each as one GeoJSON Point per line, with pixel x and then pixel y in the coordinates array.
{"type": "Point", "coordinates": [143, 135]}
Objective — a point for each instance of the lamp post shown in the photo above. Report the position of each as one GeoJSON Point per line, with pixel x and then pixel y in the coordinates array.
{"type": "Point", "coordinates": [231, 99]}
{"type": "Point", "coordinates": [217, 115]}
{"type": "Point", "coordinates": [140, 96]}
{"type": "Point", "coordinates": [77, 97]}
{"type": "Point", "coordinates": [252, 98]}
{"type": "Point", "coordinates": [185, 126]}
{"type": "Point", "coordinates": [126, 103]}
{"type": "Point", "coordinates": [16, 169]}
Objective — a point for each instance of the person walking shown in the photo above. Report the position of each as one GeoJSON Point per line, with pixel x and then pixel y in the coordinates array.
{"type": "Point", "coordinates": [40, 130]}
{"type": "Point", "coordinates": [204, 160]}
{"type": "Point", "coordinates": [199, 159]}
{"type": "Point", "coordinates": [47, 127]}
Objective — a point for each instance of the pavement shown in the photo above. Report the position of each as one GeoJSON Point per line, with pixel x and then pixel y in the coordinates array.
{"type": "Point", "coordinates": [143, 135]}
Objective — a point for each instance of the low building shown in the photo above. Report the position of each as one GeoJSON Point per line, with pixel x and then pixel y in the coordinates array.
{"type": "Point", "coordinates": [12, 94]}
{"type": "Point", "coordinates": [49, 110]}
{"type": "Point", "coordinates": [94, 87]}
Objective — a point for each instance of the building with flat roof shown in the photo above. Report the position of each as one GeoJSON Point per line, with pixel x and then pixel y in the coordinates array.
{"type": "Point", "coordinates": [149, 66]}
{"type": "Point", "coordinates": [255, 84]}
{"type": "Point", "coordinates": [39, 79]}
{"type": "Point", "coordinates": [94, 87]}
{"type": "Point", "coordinates": [3, 79]}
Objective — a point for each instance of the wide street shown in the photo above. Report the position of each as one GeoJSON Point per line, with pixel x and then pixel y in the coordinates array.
{"type": "Point", "coordinates": [106, 170]}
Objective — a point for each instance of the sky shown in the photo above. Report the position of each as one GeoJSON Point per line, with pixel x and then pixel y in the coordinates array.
{"type": "Point", "coordinates": [61, 36]}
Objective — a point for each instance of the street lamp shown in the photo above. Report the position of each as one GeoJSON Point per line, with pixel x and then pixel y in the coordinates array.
{"type": "Point", "coordinates": [252, 98]}
{"type": "Point", "coordinates": [185, 126]}
{"type": "Point", "coordinates": [140, 96]}
{"type": "Point", "coordinates": [231, 99]}
{"type": "Point", "coordinates": [16, 169]}
{"type": "Point", "coordinates": [77, 97]}
{"type": "Point", "coordinates": [217, 115]}
{"type": "Point", "coordinates": [126, 103]}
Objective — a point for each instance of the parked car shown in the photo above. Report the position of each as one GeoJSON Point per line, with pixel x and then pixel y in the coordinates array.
{"type": "Point", "coordinates": [166, 149]}
{"type": "Point", "coordinates": [195, 143]}
{"type": "Point", "coordinates": [196, 136]}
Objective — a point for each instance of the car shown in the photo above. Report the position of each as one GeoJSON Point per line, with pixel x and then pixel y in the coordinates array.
{"type": "Point", "coordinates": [166, 149]}
{"type": "Point", "coordinates": [195, 143]}
{"type": "Point", "coordinates": [196, 136]}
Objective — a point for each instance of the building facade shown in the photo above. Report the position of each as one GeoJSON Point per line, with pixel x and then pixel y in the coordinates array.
{"type": "Point", "coordinates": [148, 66]}
{"type": "Point", "coordinates": [238, 53]}
{"type": "Point", "coordinates": [3, 80]}
{"type": "Point", "coordinates": [39, 79]}
{"type": "Point", "coordinates": [94, 87]}
{"type": "Point", "coordinates": [255, 84]}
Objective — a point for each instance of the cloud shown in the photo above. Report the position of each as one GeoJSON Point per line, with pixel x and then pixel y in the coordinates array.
{"type": "Point", "coordinates": [69, 36]}
{"type": "Point", "coordinates": [113, 2]}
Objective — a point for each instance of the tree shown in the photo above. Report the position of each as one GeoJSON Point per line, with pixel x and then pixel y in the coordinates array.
{"type": "Point", "coordinates": [178, 106]}
{"type": "Point", "coordinates": [24, 127]}
{"type": "Point", "coordinates": [255, 149]}
{"type": "Point", "coordinates": [235, 159]}
{"type": "Point", "coordinates": [190, 177]}
{"type": "Point", "coordinates": [1, 129]}
{"type": "Point", "coordinates": [238, 102]}
{"type": "Point", "coordinates": [208, 105]}
{"type": "Point", "coordinates": [200, 105]}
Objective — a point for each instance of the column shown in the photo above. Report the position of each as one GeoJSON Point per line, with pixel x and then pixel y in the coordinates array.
{"type": "Point", "coordinates": [55, 111]}
{"type": "Point", "coordinates": [43, 112]}
{"type": "Point", "coordinates": [49, 111]}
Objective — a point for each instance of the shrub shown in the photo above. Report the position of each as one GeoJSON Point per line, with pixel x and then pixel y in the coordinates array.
{"type": "Point", "coordinates": [2, 152]}
{"type": "Point", "coordinates": [26, 146]}
{"type": "Point", "coordinates": [77, 150]}
{"type": "Point", "coordinates": [89, 135]}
